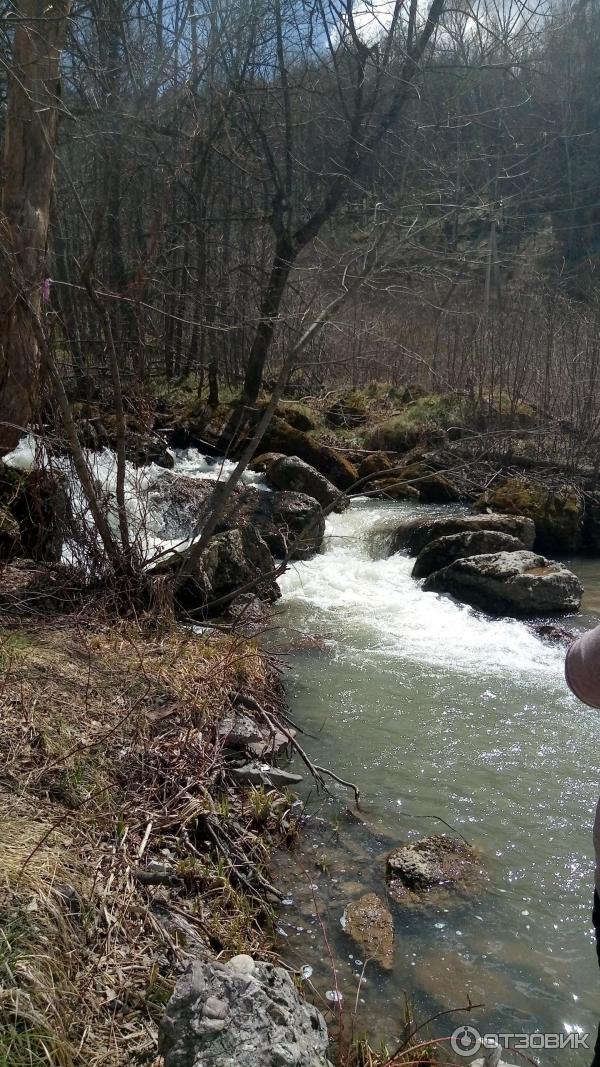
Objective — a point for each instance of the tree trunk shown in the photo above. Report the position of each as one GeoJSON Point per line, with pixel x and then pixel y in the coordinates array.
{"type": "Point", "coordinates": [30, 137]}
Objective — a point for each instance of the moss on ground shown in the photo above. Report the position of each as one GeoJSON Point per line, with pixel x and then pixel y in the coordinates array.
{"type": "Point", "coordinates": [416, 422]}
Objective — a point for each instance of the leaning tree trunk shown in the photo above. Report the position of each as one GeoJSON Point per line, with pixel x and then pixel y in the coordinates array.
{"type": "Point", "coordinates": [28, 164]}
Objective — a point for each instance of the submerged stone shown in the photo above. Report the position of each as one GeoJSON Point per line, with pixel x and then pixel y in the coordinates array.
{"type": "Point", "coordinates": [368, 922]}
{"type": "Point", "coordinates": [436, 861]}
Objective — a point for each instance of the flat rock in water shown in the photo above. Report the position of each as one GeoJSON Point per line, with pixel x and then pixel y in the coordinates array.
{"type": "Point", "coordinates": [412, 536]}
{"type": "Point", "coordinates": [263, 774]}
{"type": "Point", "coordinates": [241, 1014]}
{"type": "Point", "coordinates": [368, 922]}
{"type": "Point", "coordinates": [509, 583]}
{"type": "Point", "coordinates": [445, 550]}
{"type": "Point", "coordinates": [438, 861]}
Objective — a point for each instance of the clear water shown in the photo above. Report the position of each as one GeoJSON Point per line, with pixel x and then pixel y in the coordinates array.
{"type": "Point", "coordinates": [434, 709]}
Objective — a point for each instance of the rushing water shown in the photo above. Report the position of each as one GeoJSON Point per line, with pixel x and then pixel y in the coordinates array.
{"type": "Point", "coordinates": [434, 709]}
{"type": "Point", "coordinates": [436, 712]}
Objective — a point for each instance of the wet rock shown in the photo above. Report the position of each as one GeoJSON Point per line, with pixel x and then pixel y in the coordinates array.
{"type": "Point", "coordinates": [240, 732]}
{"type": "Point", "coordinates": [237, 731]}
{"type": "Point", "coordinates": [258, 773]}
{"type": "Point", "coordinates": [241, 1014]}
{"type": "Point", "coordinates": [445, 550]}
{"type": "Point", "coordinates": [557, 513]}
{"type": "Point", "coordinates": [280, 437]}
{"type": "Point", "coordinates": [412, 536]}
{"type": "Point", "coordinates": [555, 635]}
{"type": "Point", "coordinates": [591, 523]}
{"type": "Point", "coordinates": [141, 449]}
{"type": "Point", "coordinates": [237, 558]}
{"type": "Point", "coordinates": [368, 922]}
{"type": "Point", "coordinates": [509, 583]}
{"type": "Point", "coordinates": [179, 505]}
{"type": "Point", "coordinates": [264, 461]}
{"type": "Point", "coordinates": [293, 474]}
{"type": "Point", "coordinates": [232, 560]}
{"type": "Point", "coordinates": [416, 869]}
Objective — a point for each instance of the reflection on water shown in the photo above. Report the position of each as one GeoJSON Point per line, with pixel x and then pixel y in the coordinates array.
{"type": "Point", "coordinates": [435, 710]}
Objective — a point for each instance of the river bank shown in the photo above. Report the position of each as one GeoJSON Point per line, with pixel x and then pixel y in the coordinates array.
{"type": "Point", "coordinates": [128, 846]}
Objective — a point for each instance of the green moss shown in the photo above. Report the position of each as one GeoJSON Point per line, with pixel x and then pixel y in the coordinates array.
{"type": "Point", "coordinates": [376, 463]}
{"type": "Point", "coordinates": [298, 415]}
{"type": "Point", "coordinates": [281, 437]}
{"type": "Point", "coordinates": [348, 409]}
{"type": "Point", "coordinates": [434, 488]}
{"type": "Point", "coordinates": [420, 419]}
{"type": "Point", "coordinates": [13, 644]}
{"type": "Point", "coordinates": [557, 513]}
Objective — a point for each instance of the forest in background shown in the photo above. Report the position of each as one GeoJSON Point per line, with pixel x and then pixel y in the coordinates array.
{"type": "Point", "coordinates": [207, 178]}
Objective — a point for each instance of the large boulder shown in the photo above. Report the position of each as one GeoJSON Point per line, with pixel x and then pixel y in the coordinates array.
{"type": "Point", "coordinates": [558, 514]}
{"type": "Point", "coordinates": [280, 437]}
{"type": "Point", "coordinates": [509, 583]}
{"type": "Point", "coordinates": [241, 1014]}
{"type": "Point", "coordinates": [179, 505]}
{"type": "Point", "coordinates": [438, 861]}
{"type": "Point", "coordinates": [368, 922]}
{"type": "Point", "coordinates": [292, 474]}
{"type": "Point", "coordinates": [377, 463]}
{"type": "Point", "coordinates": [233, 560]}
{"type": "Point", "coordinates": [445, 550]}
{"type": "Point", "coordinates": [412, 536]}
{"type": "Point", "coordinates": [237, 558]}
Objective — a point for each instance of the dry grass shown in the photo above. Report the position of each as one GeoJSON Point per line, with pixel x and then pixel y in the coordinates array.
{"type": "Point", "coordinates": [112, 765]}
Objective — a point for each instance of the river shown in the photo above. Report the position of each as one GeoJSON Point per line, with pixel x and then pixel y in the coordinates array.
{"type": "Point", "coordinates": [433, 709]}
{"type": "Point", "coordinates": [436, 712]}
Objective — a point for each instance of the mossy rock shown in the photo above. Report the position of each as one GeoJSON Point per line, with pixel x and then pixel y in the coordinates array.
{"type": "Point", "coordinates": [498, 411]}
{"type": "Point", "coordinates": [350, 409]}
{"type": "Point", "coordinates": [10, 536]}
{"type": "Point", "coordinates": [392, 488]}
{"type": "Point", "coordinates": [433, 487]}
{"type": "Point", "coordinates": [264, 461]}
{"type": "Point", "coordinates": [557, 513]}
{"type": "Point", "coordinates": [281, 437]}
{"type": "Point", "coordinates": [377, 463]}
{"type": "Point", "coordinates": [424, 421]}
{"type": "Point", "coordinates": [295, 414]}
